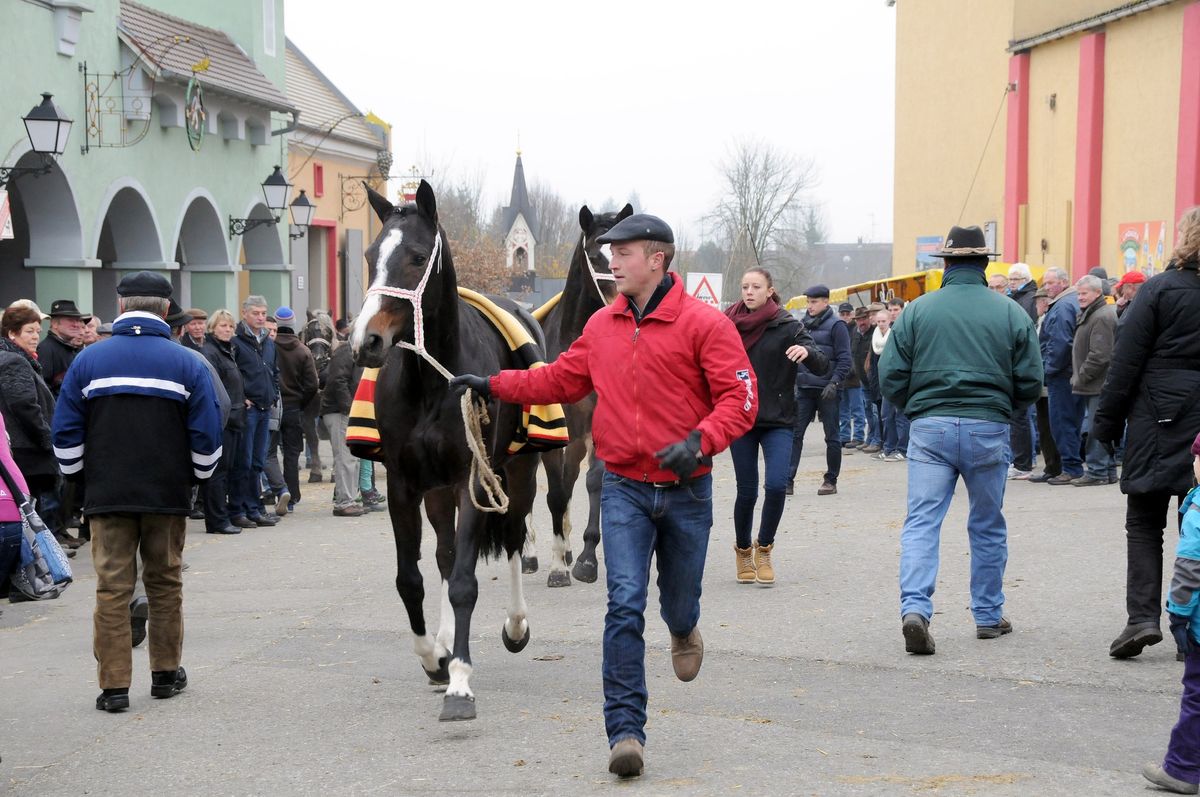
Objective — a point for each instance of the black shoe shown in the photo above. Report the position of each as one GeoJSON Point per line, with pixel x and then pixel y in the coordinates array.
{"type": "Point", "coordinates": [994, 631]}
{"type": "Point", "coordinates": [242, 522]}
{"type": "Point", "coordinates": [167, 683]}
{"type": "Point", "coordinates": [139, 612]}
{"type": "Point", "coordinates": [113, 700]}
{"type": "Point", "coordinates": [230, 529]}
{"type": "Point", "coordinates": [196, 514]}
{"type": "Point", "coordinates": [264, 520]}
{"type": "Point", "coordinates": [917, 638]}
{"type": "Point", "coordinates": [791, 488]}
{"type": "Point", "coordinates": [1133, 639]}
{"type": "Point", "coordinates": [1042, 477]}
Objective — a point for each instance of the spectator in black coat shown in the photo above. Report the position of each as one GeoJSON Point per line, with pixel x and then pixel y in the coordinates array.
{"type": "Point", "coordinates": [1153, 383]}
{"type": "Point", "coordinates": [218, 349]}
{"type": "Point", "coordinates": [65, 341]}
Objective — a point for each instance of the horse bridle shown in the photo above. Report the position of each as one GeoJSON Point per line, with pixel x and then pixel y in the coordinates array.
{"type": "Point", "coordinates": [413, 296]}
{"type": "Point", "coordinates": [596, 275]}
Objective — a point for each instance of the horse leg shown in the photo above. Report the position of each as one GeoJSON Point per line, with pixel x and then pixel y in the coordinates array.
{"type": "Point", "coordinates": [558, 499]}
{"type": "Point", "coordinates": [521, 478]}
{"type": "Point", "coordinates": [406, 528]}
{"type": "Point", "coordinates": [439, 508]}
{"type": "Point", "coordinates": [529, 557]}
{"type": "Point", "coordinates": [586, 567]}
{"type": "Point", "coordinates": [515, 631]}
{"type": "Point", "coordinates": [459, 701]}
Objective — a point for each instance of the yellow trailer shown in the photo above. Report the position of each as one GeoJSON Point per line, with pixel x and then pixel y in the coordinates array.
{"type": "Point", "coordinates": [905, 286]}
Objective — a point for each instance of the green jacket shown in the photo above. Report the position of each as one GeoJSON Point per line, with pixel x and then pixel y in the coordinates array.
{"type": "Point", "coordinates": [963, 351]}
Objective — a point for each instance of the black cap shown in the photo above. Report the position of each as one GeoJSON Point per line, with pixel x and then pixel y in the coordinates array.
{"type": "Point", "coordinates": [65, 308]}
{"type": "Point", "coordinates": [817, 291]}
{"type": "Point", "coordinates": [845, 307]}
{"type": "Point", "coordinates": [639, 227]}
{"type": "Point", "coordinates": [176, 315]}
{"type": "Point", "coordinates": [144, 283]}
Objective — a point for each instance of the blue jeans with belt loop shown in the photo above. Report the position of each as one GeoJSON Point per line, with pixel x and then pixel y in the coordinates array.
{"type": "Point", "coordinates": [641, 520]}
{"type": "Point", "coordinates": [940, 450]}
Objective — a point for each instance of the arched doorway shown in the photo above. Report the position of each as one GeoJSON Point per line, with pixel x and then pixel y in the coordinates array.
{"type": "Point", "coordinates": [129, 241]}
{"type": "Point", "coordinates": [203, 256]}
{"type": "Point", "coordinates": [262, 258]}
{"type": "Point", "coordinates": [46, 230]}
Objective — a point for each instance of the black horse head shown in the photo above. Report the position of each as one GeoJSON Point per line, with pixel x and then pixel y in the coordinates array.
{"type": "Point", "coordinates": [593, 226]}
{"type": "Point", "coordinates": [410, 250]}
{"type": "Point", "coordinates": [319, 326]}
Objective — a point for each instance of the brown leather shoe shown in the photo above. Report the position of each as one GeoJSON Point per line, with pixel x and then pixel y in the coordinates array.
{"type": "Point", "coordinates": [687, 654]}
{"type": "Point", "coordinates": [625, 759]}
{"type": "Point", "coordinates": [827, 488]}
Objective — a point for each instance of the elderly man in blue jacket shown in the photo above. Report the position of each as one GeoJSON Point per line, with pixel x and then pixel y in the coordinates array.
{"type": "Point", "coordinates": [1057, 340]}
{"type": "Point", "coordinates": [139, 386]}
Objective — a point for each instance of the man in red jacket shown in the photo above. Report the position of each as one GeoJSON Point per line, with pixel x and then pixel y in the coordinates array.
{"type": "Point", "coordinates": [674, 387]}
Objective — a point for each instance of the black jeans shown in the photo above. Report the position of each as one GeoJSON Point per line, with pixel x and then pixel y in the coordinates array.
{"type": "Point", "coordinates": [1145, 519]}
{"type": "Point", "coordinates": [215, 492]}
{"type": "Point", "coordinates": [809, 404]}
{"type": "Point", "coordinates": [291, 439]}
{"type": "Point", "coordinates": [1021, 439]}
{"type": "Point", "coordinates": [1051, 461]}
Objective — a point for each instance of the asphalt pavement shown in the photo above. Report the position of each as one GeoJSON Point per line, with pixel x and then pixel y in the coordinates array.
{"type": "Point", "coordinates": [303, 679]}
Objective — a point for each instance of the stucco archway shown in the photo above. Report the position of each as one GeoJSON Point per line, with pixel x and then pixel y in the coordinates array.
{"type": "Point", "coordinates": [128, 240]}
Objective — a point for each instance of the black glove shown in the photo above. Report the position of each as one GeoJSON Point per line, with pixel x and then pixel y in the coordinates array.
{"type": "Point", "coordinates": [681, 458]}
{"type": "Point", "coordinates": [829, 392]}
{"type": "Point", "coordinates": [1181, 630]}
{"type": "Point", "coordinates": [481, 385]}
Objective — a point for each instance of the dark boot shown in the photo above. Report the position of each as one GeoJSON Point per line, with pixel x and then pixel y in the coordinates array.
{"type": "Point", "coordinates": [1133, 639]}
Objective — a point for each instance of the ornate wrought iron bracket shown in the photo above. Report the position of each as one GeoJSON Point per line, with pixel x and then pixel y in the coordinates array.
{"type": "Point", "coordinates": [243, 226]}
{"type": "Point", "coordinates": [10, 173]}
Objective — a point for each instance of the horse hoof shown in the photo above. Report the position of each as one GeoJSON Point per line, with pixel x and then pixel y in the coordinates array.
{"type": "Point", "coordinates": [529, 564]}
{"type": "Point", "coordinates": [440, 676]}
{"type": "Point", "coordinates": [585, 571]}
{"type": "Point", "coordinates": [558, 578]}
{"type": "Point", "coordinates": [519, 645]}
{"type": "Point", "coordinates": [570, 557]}
{"type": "Point", "coordinates": [456, 708]}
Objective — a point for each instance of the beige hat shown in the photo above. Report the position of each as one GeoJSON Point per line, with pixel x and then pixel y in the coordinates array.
{"type": "Point", "coordinates": [32, 305]}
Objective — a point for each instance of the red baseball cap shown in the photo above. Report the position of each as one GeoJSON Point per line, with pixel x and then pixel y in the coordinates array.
{"type": "Point", "coordinates": [1131, 278]}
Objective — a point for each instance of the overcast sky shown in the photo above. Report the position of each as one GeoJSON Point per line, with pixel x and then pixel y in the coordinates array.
{"type": "Point", "coordinates": [616, 97]}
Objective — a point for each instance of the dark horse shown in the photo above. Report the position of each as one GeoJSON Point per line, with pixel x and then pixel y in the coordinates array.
{"type": "Point", "coordinates": [318, 334]}
{"type": "Point", "coordinates": [583, 295]}
{"type": "Point", "coordinates": [424, 445]}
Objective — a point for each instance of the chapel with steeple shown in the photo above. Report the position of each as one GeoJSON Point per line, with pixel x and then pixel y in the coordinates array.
{"type": "Point", "coordinates": [519, 222]}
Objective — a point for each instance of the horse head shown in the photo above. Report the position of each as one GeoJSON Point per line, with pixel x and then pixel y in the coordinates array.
{"type": "Point", "coordinates": [319, 326]}
{"type": "Point", "coordinates": [593, 226]}
{"type": "Point", "coordinates": [410, 260]}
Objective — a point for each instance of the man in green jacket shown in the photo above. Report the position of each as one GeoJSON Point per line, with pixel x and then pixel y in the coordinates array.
{"type": "Point", "coordinates": [959, 361]}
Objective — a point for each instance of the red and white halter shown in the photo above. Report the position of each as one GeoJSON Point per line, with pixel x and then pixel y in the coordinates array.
{"type": "Point", "coordinates": [413, 296]}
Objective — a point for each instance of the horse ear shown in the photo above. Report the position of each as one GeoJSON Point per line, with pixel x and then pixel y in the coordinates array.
{"type": "Point", "coordinates": [308, 313]}
{"type": "Point", "coordinates": [426, 203]}
{"type": "Point", "coordinates": [626, 212]}
{"type": "Point", "coordinates": [379, 203]}
{"type": "Point", "coordinates": [585, 219]}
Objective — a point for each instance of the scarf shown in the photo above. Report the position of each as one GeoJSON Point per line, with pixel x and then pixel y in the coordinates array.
{"type": "Point", "coordinates": [751, 324]}
{"type": "Point", "coordinates": [879, 341]}
{"type": "Point", "coordinates": [32, 359]}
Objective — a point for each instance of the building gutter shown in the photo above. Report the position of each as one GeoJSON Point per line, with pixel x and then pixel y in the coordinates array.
{"type": "Point", "coordinates": [1089, 23]}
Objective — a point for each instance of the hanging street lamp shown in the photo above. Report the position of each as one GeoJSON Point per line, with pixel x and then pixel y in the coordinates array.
{"type": "Point", "coordinates": [47, 129]}
{"type": "Point", "coordinates": [276, 190]}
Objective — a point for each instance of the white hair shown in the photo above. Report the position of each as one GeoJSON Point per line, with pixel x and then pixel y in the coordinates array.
{"type": "Point", "coordinates": [1059, 274]}
{"type": "Point", "coordinates": [254, 300]}
{"type": "Point", "coordinates": [1021, 270]}
{"type": "Point", "coordinates": [1091, 282]}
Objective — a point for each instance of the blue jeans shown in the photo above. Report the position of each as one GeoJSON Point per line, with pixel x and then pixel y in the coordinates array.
{"type": "Point", "coordinates": [776, 444]}
{"type": "Point", "coordinates": [809, 405]}
{"type": "Point", "coordinates": [941, 450]}
{"type": "Point", "coordinates": [248, 467]}
{"type": "Point", "coordinates": [1066, 421]}
{"type": "Point", "coordinates": [11, 535]}
{"type": "Point", "coordinates": [874, 424]}
{"type": "Point", "coordinates": [640, 521]}
{"type": "Point", "coordinates": [852, 416]}
{"type": "Point", "coordinates": [895, 429]}
{"type": "Point", "coordinates": [1100, 463]}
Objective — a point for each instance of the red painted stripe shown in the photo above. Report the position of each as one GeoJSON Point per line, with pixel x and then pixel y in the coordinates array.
{"type": "Point", "coordinates": [1089, 152]}
{"type": "Point", "coordinates": [1016, 155]}
{"type": "Point", "coordinates": [1187, 165]}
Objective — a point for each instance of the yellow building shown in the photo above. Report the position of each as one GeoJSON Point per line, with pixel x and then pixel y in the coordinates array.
{"type": "Point", "coordinates": [1069, 130]}
{"type": "Point", "coordinates": [332, 151]}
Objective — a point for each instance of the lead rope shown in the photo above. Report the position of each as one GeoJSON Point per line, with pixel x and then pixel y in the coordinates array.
{"type": "Point", "coordinates": [474, 412]}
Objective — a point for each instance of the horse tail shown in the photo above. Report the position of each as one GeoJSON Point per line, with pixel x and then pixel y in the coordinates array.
{"type": "Point", "coordinates": [492, 546]}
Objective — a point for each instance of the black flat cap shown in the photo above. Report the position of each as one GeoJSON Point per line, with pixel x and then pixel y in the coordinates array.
{"type": "Point", "coordinates": [817, 291]}
{"type": "Point", "coordinates": [144, 283]}
{"type": "Point", "coordinates": [176, 315]}
{"type": "Point", "coordinates": [845, 307]}
{"type": "Point", "coordinates": [639, 227]}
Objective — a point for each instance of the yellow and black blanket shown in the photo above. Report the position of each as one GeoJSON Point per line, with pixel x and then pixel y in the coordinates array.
{"type": "Point", "coordinates": [543, 426]}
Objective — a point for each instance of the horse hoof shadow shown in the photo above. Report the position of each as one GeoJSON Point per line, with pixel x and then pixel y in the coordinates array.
{"type": "Point", "coordinates": [519, 645]}
{"type": "Point", "coordinates": [440, 676]}
{"type": "Point", "coordinates": [586, 571]}
{"type": "Point", "coordinates": [456, 708]}
{"type": "Point", "coordinates": [570, 558]}
{"type": "Point", "coordinates": [558, 578]}
{"type": "Point", "coordinates": [529, 564]}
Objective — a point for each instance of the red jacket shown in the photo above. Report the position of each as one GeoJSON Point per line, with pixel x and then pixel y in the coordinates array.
{"type": "Point", "coordinates": [685, 368]}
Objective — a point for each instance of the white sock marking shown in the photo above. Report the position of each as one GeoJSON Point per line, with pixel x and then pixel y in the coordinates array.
{"type": "Point", "coordinates": [426, 649]}
{"type": "Point", "coordinates": [460, 679]}
{"type": "Point", "coordinates": [445, 634]}
{"type": "Point", "coordinates": [515, 625]}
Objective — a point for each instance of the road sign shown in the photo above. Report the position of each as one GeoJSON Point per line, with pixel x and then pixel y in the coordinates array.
{"type": "Point", "coordinates": [706, 287]}
{"type": "Point", "coordinates": [6, 230]}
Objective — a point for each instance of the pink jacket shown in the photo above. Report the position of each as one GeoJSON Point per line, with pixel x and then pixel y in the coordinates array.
{"type": "Point", "coordinates": [8, 507]}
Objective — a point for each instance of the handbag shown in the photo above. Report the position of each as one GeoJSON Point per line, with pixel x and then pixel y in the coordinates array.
{"type": "Point", "coordinates": [42, 558]}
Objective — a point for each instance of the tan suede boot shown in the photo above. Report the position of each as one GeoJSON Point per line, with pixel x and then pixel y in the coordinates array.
{"type": "Point", "coordinates": [764, 572]}
{"type": "Point", "coordinates": [745, 565]}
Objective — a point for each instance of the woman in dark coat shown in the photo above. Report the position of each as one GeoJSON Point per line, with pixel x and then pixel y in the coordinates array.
{"type": "Point", "coordinates": [28, 408]}
{"type": "Point", "coordinates": [220, 351]}
{"type": "Point", "coordinates": [775, 341]}
{"type": "Point", "coordinates": [1153, 385]}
